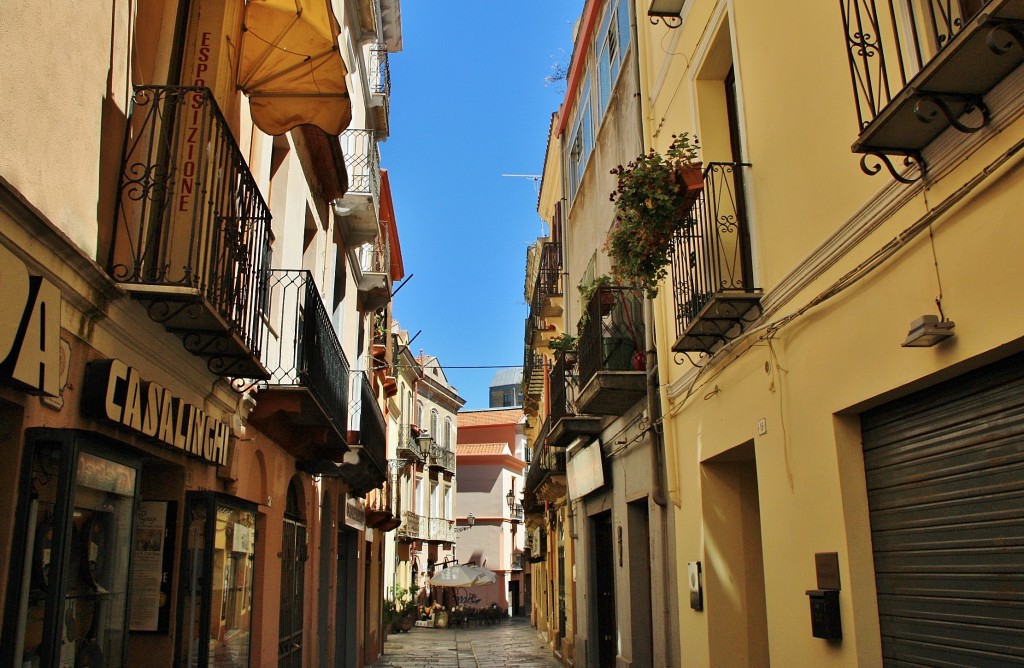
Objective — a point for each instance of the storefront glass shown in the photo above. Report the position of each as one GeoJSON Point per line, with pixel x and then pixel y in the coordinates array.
{"type": "Point", "coordinates": [217, 583]}
{"type": "Point", "coordinates": [69, 582]}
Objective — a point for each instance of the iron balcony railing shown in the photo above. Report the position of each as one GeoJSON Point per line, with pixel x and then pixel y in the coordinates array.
{"type": "Point", "coordinates": [516, 513]}
{"type": "Point", "coordinates": [441, 457]}
{"type": "Point", "coordinates": [612, 334]}
{"type": "Point", "coordinates": [362, 159]}
{"type": "Point", "coordinates": [549, 276]}
{"type": "Point", "coordinates": [380, 501]}
{"type": "Point", "coordinates": [306, 351]}
{"type": "Point", "coordinates": [411, 526]}
{"type": "Point", "coordinates": [560, 380]}
{"type": "Point", "coordinates": [920, 67]}
{"type": "Point", "coordinates": [441, 530]}
{"type": "Point", "coordinates": [376, 256]}
{"type": "Point", "coordinates": [189, 214]}
{"type": "Point", "coordinates": [889, 41]}
{"type": "Point", "coordinates": [552, 459]}
{"type": "Point", "coordinates": [409, 446]}
{"type": "Point", "coordinates": [371, 426]}
{"type": "Point", "coordinates": [711, 249]}
{"type": "Point", "coordinates": [380, 71]}
{"type": "Point", "coordinates": [533, 374]}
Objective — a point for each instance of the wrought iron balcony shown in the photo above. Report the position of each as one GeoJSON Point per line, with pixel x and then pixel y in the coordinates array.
{"type": "Point", "coordinates": [548, 482]}
{"type": "Point", "coordinates": [304, 403]}
{"type": "Point", "coordinates": [367, 436]}
{"type": "Point", "coordinates": [374, 285]}
{"type": "Point", "coordinates": [191, 236]}
{"type": "Point", "coordinates": [379, 71]}
{"type": "Point", "coordinates": [442, 458]}
{"type": "Point", "coordinates": [358, 211]}
{"type": "Point", "coordinates": [380, 509]}
{"type": "Point", "coordinates": [440, 530]}
{"type": "Point", "coordinates": [919, 68]}
{"type": "Point", "coordinates": [610, 351]}
{"type": "Point", "coordinates": [411, 527]}
{"type": "Point", "coordinates": [712, 284]}
{"type": "Point", "coordinates": [532, 374]}
{"type": "Point", "coordinates": [409, 446]}
{"type": "Point", "coordinates": [563, 417]}
{"type": "Point", "coordinates": [548, 285]}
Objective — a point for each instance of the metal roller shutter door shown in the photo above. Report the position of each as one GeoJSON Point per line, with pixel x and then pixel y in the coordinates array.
{"type": "Point", "coordinates": [945, 479]}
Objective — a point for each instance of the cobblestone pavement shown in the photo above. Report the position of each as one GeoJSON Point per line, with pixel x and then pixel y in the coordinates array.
{"type": "Point", "coordinates": [512, 643]}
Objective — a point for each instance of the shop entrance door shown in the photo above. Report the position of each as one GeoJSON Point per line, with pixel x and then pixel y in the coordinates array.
{"type": "Point", "coordinates": [604, 588]}
{"type": "Point", "coordinates": [345, 611]}
{"type": "Point", "coordinates": [293, 572]}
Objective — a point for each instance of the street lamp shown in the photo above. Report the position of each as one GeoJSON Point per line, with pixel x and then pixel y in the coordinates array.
{"type": "Point", "coordinates": [510, 499]}
{"type": "Point", "coordinates": [470, 520]}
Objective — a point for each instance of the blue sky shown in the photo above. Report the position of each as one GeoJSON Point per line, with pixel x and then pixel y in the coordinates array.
{"type": "Point", "coordinates": [470, 102]}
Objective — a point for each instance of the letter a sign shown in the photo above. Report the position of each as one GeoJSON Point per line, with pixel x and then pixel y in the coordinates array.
{"type": "Point", "coordinates": [29, 327]}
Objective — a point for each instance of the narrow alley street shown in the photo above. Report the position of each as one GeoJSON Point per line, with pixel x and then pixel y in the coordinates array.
{"type": "Point", "coordinates": [512, 643]}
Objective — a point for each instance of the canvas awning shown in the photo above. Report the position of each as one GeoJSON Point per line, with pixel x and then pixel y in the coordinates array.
{"type": "Point", "coordinates": [291, 68]}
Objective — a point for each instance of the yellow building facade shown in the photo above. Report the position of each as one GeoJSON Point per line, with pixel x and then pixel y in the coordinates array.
{"type": "Point", "coordinates": [846, 477]}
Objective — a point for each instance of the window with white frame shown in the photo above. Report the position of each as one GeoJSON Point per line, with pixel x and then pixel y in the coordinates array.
{"type": "Point", "coordinates": [611, 42]}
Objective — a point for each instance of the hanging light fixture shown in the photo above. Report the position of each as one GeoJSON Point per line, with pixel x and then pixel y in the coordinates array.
{"type": "Point", "coordinates": [927, 331]}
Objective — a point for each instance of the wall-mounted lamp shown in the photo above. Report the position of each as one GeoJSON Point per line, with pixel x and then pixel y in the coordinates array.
{"type": "Point", "coordinates": [667, 11]}
{"type": "Point", "coordinates": [928, 330]}
{"type": "Point", "coordinates": [470, 521]}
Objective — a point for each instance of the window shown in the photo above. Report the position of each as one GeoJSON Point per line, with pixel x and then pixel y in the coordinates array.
{"type": "Point", "coordinates": [448, 433]}
{"type": "Point", "coordinates": [433, 425]}
{"type": "Point", "coordinates": [611, 42]}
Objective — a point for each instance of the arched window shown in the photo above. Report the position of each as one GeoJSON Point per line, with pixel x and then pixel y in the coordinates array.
{"type": "Point", "coordinates": [433, 424]}
{"type": "Point", "coordinates": [448, 433]}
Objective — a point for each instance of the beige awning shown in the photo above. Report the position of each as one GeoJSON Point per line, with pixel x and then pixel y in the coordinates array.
{"type": "Point", "coordinates": [290, 66]}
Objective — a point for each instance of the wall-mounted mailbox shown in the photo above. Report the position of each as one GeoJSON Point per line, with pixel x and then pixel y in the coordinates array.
{"type": "Point", "coordinates": [825, 620]}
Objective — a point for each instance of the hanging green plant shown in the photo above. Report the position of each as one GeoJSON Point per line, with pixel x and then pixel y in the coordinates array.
{"type": "Point", "coordinates": [564, 342]}
{"type": "Point", "coordinates": [654, 194]}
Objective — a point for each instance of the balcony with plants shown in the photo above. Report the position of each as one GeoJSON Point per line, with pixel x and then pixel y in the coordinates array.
{"type": "Point", "coordinates": [610, 362]}
{"type": "Point", "coordinates": [357, 212]}
{"type": "Point", "coordinates": [713, 292]}
{"type": "Point", "coordinates": [304, 403]}
{"type": "Point", "coordinates": [920, 68]}
{"type": "Point", "coordinates": [191, 238]}
{"type": "Point", "coordinates": [365, 468]}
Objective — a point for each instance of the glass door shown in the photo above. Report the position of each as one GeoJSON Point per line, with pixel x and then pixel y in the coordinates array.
{"type": "Point", "coordinates": [68, 590]}
{"type": "Point", "coordinates": [215, 618]}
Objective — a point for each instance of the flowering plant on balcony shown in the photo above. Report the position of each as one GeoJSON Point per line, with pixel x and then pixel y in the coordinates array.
{"type": "Point", "coordinates": [654, 194]}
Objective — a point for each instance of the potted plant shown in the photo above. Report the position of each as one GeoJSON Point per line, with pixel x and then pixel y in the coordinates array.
{"type": "Point", "coordinates": [654, 194]}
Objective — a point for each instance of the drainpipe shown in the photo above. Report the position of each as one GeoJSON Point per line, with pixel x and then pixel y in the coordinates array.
{"type": "Point", "coordinates": [651, 353]}
{"type": "Point", "coordinates": [653, 406]}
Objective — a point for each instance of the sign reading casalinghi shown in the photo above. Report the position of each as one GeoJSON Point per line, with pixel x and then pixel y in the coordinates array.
{"type": "Point", "coordinates": [115, 392]}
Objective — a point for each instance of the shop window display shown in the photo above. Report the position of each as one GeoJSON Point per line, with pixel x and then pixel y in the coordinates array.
{"type": "Point", "coordinates": [68, 589]}
{"type": "Point", "coordinates": [215, 616]}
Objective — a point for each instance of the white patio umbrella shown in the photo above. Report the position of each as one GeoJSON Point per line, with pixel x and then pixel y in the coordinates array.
{"type": "Point", "coordinates": [463, 575]}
